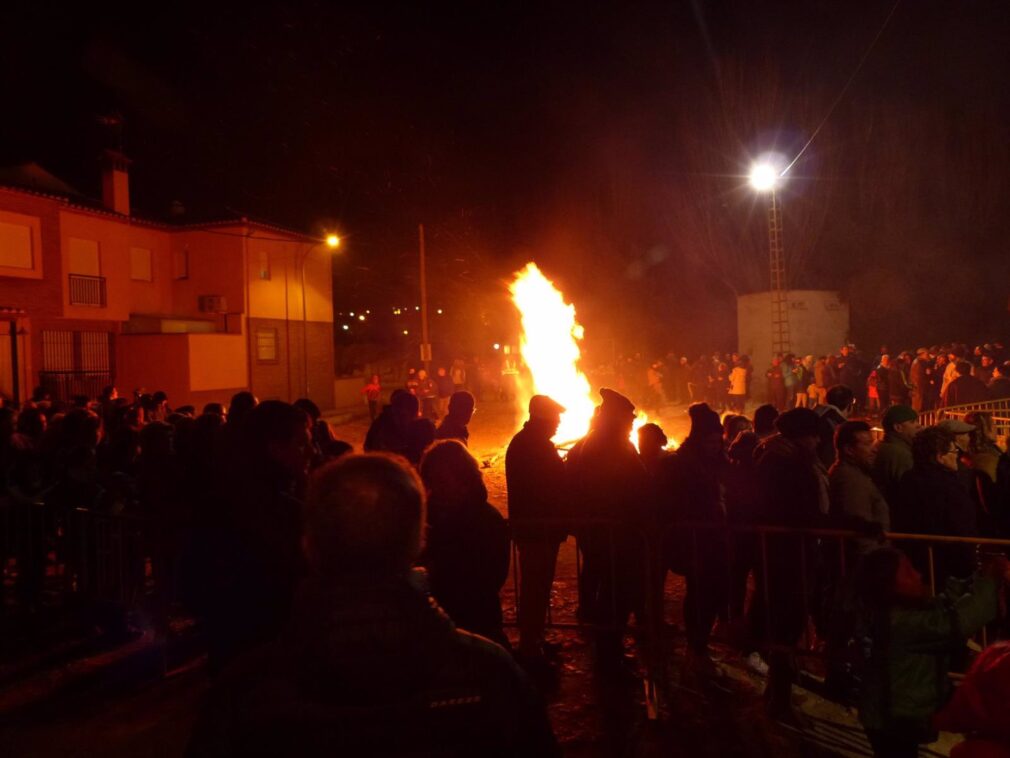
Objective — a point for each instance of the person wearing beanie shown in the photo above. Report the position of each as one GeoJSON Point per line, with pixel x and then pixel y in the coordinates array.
{"type": "Point", "coordinates": [692, 486]}
{"type": "Point", "coordinates": [537, 490]}
{"type": "Point", "coordinates": [609, 482]}
{"type": "Point", "coordinates": [893, 455]}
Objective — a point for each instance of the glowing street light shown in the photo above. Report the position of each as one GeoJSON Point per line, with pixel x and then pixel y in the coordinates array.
{"type": "Point", "coordinates": [332, 241]}
{"type": "Point", "coordinates": [763, 177]}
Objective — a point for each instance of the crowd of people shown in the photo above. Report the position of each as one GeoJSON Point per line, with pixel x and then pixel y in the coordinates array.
{"type": "Point", "coordinates": [338, 589]}
{"type": "Point", "coordinates": [926, 379]}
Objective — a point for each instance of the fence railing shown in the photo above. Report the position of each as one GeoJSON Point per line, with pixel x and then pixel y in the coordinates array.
{"type": "Point", "coordinates": [64, 385]}
{"type": "Point", "coordinates": [87, 290]}
{"type": "Point", "coordinates": [818, 554]}
{"type": "Point", "coordinates": [58, 561]}
{"type": "Point", "coordinates": [1000, 410]}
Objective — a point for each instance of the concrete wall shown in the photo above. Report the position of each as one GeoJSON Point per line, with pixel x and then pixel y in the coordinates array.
{"type": "Point", "coordinates": [284, 378]}
{"type": "Point", "coordinates": [818, 324]}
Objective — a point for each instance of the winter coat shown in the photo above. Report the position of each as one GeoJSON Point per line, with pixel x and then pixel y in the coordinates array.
{"type": "Point", "coordinates": [608, 479]}
{"type": "Point", "coordinates": [980, 707]}
{"type": "Point", "coordinates": [377, 670]}
{"type": "Point", "coordinates": [892, 460]}
{"type": "Point", "coordinates": [467, 557]}
{"type": "Point", "coordinates": [537, 485]}
{"type": "Point", "coordinates": [931, 500]}
{"type": "Point", "coordinates": [906, 679]}
{"type": "Point", "coordinates": [963, 390]}
{"type": "Point", "coordinates": [452, 429]}
{"type": "Point", "coordinates": [853, 493]}
{"type": "Point", "coordinates": [999, 388]}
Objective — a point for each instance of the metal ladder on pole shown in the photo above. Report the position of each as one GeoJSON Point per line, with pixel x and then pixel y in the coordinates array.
{"type": "Point", "coordinates": [779, 291]}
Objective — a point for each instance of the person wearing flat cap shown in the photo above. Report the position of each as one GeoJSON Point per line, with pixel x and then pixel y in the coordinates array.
{"type": "Point", "coordinates": [610, 482]}
{"type": "Point", "coordinates": [537, 489]}
{"type": "Point", "coordinates": [893, 455]}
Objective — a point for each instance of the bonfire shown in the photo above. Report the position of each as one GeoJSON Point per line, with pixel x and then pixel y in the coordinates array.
{"type": "Point", "coordinates": [549, 346]}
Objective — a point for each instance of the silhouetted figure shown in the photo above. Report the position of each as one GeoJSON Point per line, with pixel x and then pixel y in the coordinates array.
{"type": "Point", "coordinates": [467, 550]}
{"type": "Point", "coordinates": [368, 664]}
{"type": "Point", "coordinates": [610, 482]}
{"type": "Point", "coordinates": [420, 435]}
{"type": "Point", "coordinates": [537, 490]}
{"type": "Point", "coordinates": [389, 431]}
{"type": "Point", "coordinates": [931, 500]}
{"type": "Point", "coordinates": [253, 545]}
{"type": "Point", "coordinates": [764, 421]}
{"type": "Point", "coordinates": [460, 411]}
{"type": "Point", "coordinates": [652, 444]}
{"type": "Point", "coordinates": [693, 483]}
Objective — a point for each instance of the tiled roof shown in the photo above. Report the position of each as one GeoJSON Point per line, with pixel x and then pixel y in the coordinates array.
{"type": "Point", "coordinates": [32, 179]}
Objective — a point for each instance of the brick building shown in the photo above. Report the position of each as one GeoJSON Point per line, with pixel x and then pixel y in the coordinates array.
{"type": "Point", "coordinates": [91, 295]}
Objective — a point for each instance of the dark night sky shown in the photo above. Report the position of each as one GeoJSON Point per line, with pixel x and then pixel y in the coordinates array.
{"type": "Point", "coordinates": [605, 141]}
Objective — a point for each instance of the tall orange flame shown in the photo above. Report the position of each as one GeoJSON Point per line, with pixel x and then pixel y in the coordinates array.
{"type": "Point", "coordinates": [550, 348]}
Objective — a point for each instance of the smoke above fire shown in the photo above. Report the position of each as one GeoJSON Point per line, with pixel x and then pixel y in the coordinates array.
{"type": "Point", "coordinates": [549, 345]}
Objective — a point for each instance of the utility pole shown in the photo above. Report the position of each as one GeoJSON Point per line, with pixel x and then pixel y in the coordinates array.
{"type": "Point", "coordinates": [425, 344]}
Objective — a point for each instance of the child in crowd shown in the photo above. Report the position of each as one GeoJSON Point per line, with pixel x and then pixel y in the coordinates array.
{"type": "Point", "coordinates": [913, 637]}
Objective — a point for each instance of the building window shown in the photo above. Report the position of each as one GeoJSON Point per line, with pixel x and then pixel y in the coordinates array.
{"type": "Point", "coordinates": [266, 345]}
{"type": "Point", "coordinates": [16, 246]}
{"type": "Point", "coordinates": [83, 257]}
{"type": "Point", "coordinates": [140, 264]}
{"type": "Point", "coordinates": [180, 263]}
{"type": "Point", "coordinates": [264, 264]}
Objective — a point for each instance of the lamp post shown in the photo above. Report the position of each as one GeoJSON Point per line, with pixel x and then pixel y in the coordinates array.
{"type": "Point", "coordinates": [765, 178]}
{"type": "Point", "coordinates": [332, 241]}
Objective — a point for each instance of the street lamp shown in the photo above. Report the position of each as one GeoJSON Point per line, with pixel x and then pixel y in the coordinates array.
{"type": "Point", "coordinates": [332, 241]}
{"type": "Point", "coordinates": [765, 178]}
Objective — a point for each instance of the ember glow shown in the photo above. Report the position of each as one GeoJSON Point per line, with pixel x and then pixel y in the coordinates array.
{"type": "Point", "coordinates": [550, 348]}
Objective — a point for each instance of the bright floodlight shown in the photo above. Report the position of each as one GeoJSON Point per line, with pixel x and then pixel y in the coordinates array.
{"type": "Point", "coordinates": [332, 241]}
{"type": "Point", "coordinates": [763, 177]}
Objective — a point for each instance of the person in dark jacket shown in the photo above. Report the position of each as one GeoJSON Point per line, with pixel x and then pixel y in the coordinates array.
{"type": "Point", "coordinates": [537, 489]}
{"type": "Point", "coordinates": [693, 491]}
{"type": "Point", "coordinates": [460, 411]}
{"type": "Point", "coordinates": [965, 388]}
{"type": "Point", "coordinates": [368, 664]}
{"type": "Point", "coordinates": [834, 412]}
{"type": "Point", "coordinates": [932, 501]}
{"type": "Point", "coordinates": [914, 638]}
{"type": "Point", "coordinates": [467, 551]}
{"type": "Point", "coordinates": [999, 387]}
{"type": "Point", "coordinates": [389, 431]}
{"type": "Point", "coordinates": [609, 482]}
{"type": "Point", "coordinates": [254, 559]}
{"type": "Point", "coordinates": [652, 442]}
{"type": "Point", "coordinates": [775, 375]}
{"type": "Point", "coordinates": [919, 376]}
{"type": "Point", "coordinates": [794, 493]}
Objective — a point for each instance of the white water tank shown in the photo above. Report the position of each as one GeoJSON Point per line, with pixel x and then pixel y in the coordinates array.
{"type": "Point", "coordinates": [818, 325]}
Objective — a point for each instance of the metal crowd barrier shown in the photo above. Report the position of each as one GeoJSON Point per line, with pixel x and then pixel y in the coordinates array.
{"type": "Point", "coordinates": [1000, 410]}
{"type": "Point", "coordinates": [812, 545]}
{"type": "Point", "coordinates": [70, 560]}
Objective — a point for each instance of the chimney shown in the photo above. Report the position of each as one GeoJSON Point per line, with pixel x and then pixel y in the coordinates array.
{"type": "Point", "coordinates": [116, 182]}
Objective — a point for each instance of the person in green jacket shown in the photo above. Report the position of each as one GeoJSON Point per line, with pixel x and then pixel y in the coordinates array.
{"type": "Point", "coordinates": [913, 637]}
{"type": "Point", "coordinates": [893, 455]}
